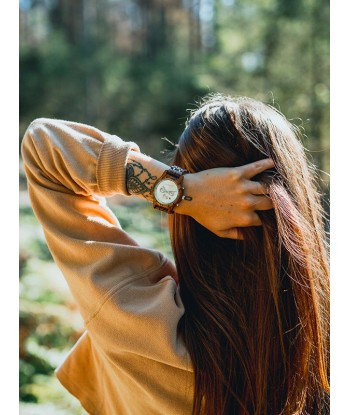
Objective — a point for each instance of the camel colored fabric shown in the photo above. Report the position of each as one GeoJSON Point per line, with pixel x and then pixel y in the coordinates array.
{"type": "Point", "coordinates": [131, 359]}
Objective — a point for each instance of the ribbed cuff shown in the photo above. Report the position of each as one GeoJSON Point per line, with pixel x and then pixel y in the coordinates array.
{"type": "Point", "coordinates": [111, 165]}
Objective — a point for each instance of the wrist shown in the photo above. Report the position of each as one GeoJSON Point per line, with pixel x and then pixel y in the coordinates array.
{"type": "Point", "coordinates": [142, 172]}
{"type": "Point", "coordinates": [187, 204]}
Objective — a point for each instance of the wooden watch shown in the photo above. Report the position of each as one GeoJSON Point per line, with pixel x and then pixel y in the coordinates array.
{"type": "Point", "coordinates": [168, 190]}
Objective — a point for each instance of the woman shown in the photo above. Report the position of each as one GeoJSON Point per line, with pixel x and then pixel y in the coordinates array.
{"type": "Point", "coordinates": [241, 325]}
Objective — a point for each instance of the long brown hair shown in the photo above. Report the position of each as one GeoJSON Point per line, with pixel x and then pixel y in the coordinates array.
{"type": "Point", "coordinates": [257, 315]}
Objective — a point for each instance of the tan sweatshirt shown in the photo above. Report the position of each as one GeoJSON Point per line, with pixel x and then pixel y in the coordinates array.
{"type": "Point", "coordinates": [131, 359]}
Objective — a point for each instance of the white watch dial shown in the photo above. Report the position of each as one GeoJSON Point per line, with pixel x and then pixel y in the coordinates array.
{"type": "Point", "coordinates": [166, 192]}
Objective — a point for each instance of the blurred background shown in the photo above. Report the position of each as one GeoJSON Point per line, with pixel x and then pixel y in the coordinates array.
{"type": "Point", "coordinates": [132, 68]}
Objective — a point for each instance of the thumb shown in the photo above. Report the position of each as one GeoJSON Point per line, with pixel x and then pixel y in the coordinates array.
{"type": "Point", "coordinates": [232, 233]}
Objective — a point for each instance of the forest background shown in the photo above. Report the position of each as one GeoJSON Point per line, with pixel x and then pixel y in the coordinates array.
{"type": "Point", "coordinates": [132, 68]}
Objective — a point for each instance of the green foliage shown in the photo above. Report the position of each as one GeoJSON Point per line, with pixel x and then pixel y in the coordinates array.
{"type": "Point", "coordinates": [151, 231]}
{"type": "Point", "coordinates": [50, 80]}
{"type": "Point", "coordinates": [133, 69]}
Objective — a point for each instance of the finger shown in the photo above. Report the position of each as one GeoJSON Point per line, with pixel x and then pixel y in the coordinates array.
{"type": "Point", "coordinates": [250, 219]}
{"type": "Point", "coordinates": [252, 169]}
{"type": "Point", "coordinates": [257, 188]}
{"type": "Point", "coordinates": [233, 233]}
{"type": "Point", "coordinates": [255, 220]}
{"type": "Point", "coordinates": [262, 203]}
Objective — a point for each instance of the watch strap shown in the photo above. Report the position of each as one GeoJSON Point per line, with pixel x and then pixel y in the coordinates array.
{"type": "Point", "coordinates": [176, 171]}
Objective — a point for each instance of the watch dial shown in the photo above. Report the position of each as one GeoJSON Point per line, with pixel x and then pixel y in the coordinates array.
{"type": "Point", "coordinates": [166, 192]}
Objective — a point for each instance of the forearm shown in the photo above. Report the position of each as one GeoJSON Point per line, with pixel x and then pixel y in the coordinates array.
{"type": "Point", "coordinates": [141, 174]}
{"type": "Point", "coordinates": [75, 158]}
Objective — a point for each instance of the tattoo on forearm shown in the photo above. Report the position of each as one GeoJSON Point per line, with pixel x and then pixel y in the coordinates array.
{"type": "Point", "coordinates": [139, 181]}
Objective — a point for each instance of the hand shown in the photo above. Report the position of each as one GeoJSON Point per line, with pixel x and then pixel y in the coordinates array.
{"type": "Point", "coordinates": [225, 199]}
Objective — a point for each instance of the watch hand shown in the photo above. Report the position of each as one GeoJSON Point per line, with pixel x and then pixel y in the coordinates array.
{"type": "Point", "coordinates": [170, 192]}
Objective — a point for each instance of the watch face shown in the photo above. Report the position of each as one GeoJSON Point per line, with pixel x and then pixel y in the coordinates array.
{"type": "Point", "coordinates": [166, 192]}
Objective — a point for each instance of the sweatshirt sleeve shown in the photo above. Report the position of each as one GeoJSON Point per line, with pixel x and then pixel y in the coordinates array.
{"type": "Point", "coordinates": [70, 167]}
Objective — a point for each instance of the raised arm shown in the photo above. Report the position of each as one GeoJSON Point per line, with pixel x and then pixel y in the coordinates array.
{"type": "Point", "coordinates": [123, 290]}
{"type": "Point", "coordinates": [69, 168]}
